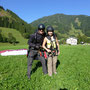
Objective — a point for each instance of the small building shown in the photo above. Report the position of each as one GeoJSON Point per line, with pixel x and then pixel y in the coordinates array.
{"type": "Point", "coordinates": [71, 41]}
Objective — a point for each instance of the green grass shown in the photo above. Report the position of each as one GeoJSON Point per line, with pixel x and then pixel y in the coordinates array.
{"type": "Point", "coordinates": [15, 33]}
{"type": "Point", "coordinates": [73, 71]}
{"type": "Point", "coordinates": [8, 47]}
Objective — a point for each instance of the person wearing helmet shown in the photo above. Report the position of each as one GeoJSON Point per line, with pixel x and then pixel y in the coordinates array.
{"type": "Point", "coordinates": [35, 43]}
{"type": "Point", "coordinates": [51, 45]}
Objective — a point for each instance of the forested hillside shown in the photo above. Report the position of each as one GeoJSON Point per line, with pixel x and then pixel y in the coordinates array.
{"type": "Point", "coordinates": [9, 19]}
{"type": "Point", "coordinates": [67, 24]}
{"type": "Point", "coordinates": [12, 36]}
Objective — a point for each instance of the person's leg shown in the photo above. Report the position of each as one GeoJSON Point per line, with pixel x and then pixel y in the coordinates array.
{"type": "Point", "coordinates": [49, 63]}
{"type": "Point", "coordinates": [43, 62]}
{"type": "Point", "coordinates": [30, 61]}
{"type": "Point", "coordinates": [54, 64]}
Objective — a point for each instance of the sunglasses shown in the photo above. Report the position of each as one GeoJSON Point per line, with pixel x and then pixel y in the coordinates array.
{"type": "Point", "coordinates": [41, 30]}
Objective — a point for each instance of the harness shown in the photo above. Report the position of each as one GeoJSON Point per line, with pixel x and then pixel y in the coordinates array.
{"type": "Point", "coordinates": [41, 51]}
{"type": "Point", "coordinates": [51, 44]}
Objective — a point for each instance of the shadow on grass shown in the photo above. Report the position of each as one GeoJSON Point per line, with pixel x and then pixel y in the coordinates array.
{"type": "Point", "coordinates": [63, 89]}
{"type": "Point", "coordinates": [58, 63]}
{"type": "Point", "coordinates": [38, 64]}
{"type": "Point", "coordinates": [36, 67]}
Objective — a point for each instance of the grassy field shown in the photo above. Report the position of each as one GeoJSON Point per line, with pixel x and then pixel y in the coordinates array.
{"type": "Point", "coordinates": [73, 69]}
{"type": "Point", "coordinates": [15, 33]}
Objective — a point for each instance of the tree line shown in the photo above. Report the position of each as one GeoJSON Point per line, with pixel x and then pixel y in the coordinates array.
{"type": "Point", "coordinates": [9, 19]}
{"type": "Point", "coordinates": [10, 39]}
{"type": "Point", "coordinates": [62, 23]}
{"type": "Point", "coordinates": [66, 25]}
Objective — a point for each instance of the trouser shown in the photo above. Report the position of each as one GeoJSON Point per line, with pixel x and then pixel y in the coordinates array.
{"type": "Point", "coordinates": [31, 57]}
{"type": "Point", "coordinates": [52, 60]}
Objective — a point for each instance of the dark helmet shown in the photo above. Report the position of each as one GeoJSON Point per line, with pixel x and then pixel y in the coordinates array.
{"type": "Point", "coordinates": [50, 28]}
{"type": "Point", "coordinates": [41, 26]}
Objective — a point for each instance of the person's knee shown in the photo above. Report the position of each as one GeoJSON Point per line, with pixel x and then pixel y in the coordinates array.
{"type": "Point", "coordinates": [49, 62]}
{"type": "Point", "coordinates": [54, 63]}
{"type": "Point", "coordinates": [30, 61]}
{"type": "Point", "coordinates": [42, 60]}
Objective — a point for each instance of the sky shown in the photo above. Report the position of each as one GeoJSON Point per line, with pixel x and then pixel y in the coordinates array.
{"type": "Point", "coordinates": [31, 10]}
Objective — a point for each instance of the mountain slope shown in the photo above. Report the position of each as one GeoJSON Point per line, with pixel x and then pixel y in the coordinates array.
{"type": "Point", "coordinates": [15, 33]}
{"type": "Point", "coordinates": [10, 20]}
{"type": "Point", "coordinates": [63, 23]}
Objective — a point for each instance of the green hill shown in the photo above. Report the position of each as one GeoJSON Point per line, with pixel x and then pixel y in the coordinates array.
{"type": "Point", "coordinates": [10, 20]}
{"type": "Point", "coordinates": [67, 24]}
{"type": "Point", "coordinates": [15, 33]}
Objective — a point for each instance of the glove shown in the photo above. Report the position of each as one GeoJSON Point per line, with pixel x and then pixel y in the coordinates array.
{"type": "Point", "coordinates": [37, 46]}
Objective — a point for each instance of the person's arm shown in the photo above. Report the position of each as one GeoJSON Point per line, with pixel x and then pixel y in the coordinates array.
{"type": "Point", "coordinates": [57, 45]}
{"type": "Point", "coordinates": [30, 41]}
{"type": "Point", "coordinates": [43, 45]}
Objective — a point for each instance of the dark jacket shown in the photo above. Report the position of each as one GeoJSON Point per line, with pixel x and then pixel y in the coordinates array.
{"type": "Point", "coordinates": [36, 40]}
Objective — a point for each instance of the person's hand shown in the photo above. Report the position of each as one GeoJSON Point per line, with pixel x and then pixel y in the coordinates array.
{"type": "Point", "coordinates": [58, 52]}
{"type": "Point", "coordinates": [48, 50]}
{"type": "Point", "coordinates": [37, 46]}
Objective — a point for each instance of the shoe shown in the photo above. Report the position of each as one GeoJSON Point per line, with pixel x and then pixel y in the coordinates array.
{"type": "Point", "coordinates": [50, 75]}
{"type": "Point", "coordinates": [29, 77]}
{"type": "Point", "coordinates": [45, 73]}
{"type": "Point", "coordinates": [55, 72]}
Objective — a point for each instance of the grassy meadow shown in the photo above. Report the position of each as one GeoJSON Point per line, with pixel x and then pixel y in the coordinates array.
{"type": "Point", "coordinates": [15, 33]}
{"type": "Point", "coordinates": [73, 71]}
